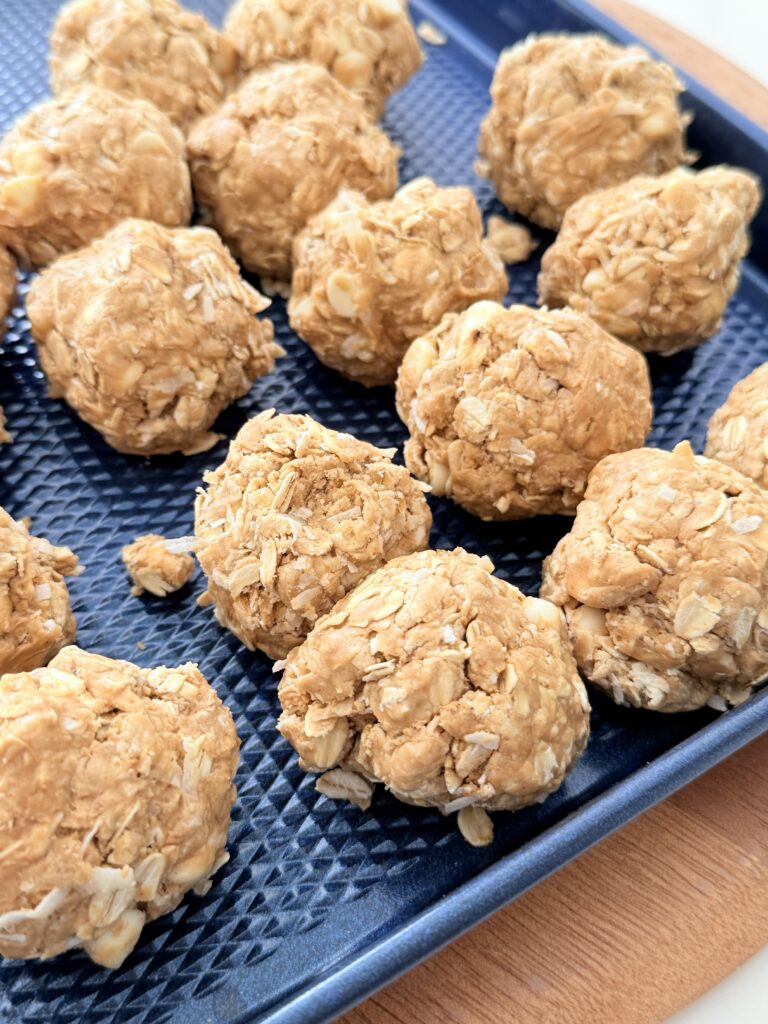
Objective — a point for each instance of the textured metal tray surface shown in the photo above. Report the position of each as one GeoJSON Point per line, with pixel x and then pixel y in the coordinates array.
{"type": "Point", "coordinates": [321, 903]}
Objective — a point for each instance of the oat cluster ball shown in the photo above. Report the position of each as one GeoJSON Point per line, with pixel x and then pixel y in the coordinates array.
{"type": "Point", "coordinates": [115, 797]}
{"type": "Point", "coordinates": [276, 152]}
{"type": "Point", "coordinates": [664, 580]}
{"type": "Point", "coordinates": [575, 113]}
{"type": "Point", "coordinates": [151, 49]}
{"type": "Point", "coordinates": [36, 619]}
{"type": "Point", "coordinates": [509, 410]}
{"type": "Point", "coordinates": [738, 431]}
{"type": "Point", "coordinates": [441, 681]}
{"type": "Point", "coordinates": [654, 261]}
{"type": "Point", "coordinates": [370, 277]}
{"type": "Point", "coordinates": [150, 332]}
{"type": "Point", "coordinates": [367, 45]}
{"type": "Point", "coordinates": [7, 295]}
{"type": "Point", "coordinates": [295, 517]}
{"type": "Point", "coordinates": [73, 167]}
{"type": "Point", "coordinates": [157, 564]}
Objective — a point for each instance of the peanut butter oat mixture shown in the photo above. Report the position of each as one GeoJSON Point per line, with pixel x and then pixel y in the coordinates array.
{"type": "Point", "coordinates": [149, 333]}
{"type": "Point", "coordinates": [367, 45]}
{"type": "Point", "coordinates": [73, 167]}
{"type": "Point", "coordinates": [370, 277]}
{"type": "Point", "coordinates": [115, 797]}
{"type": "Point", "coordinates": [575, 113]}
{"type": "Point", "coordinates": [738, 431]}
{"type": "Point", "coordinates": [295, 517]}
{"type": "Point", "coordinates": [277, 152]}
{"type": "Point", "coordinates": [664, 580]}
{"type": "Point", "coordinates": [7, 296]}
{"type": "Point", "coordinates": [36, 619]}
{"type": "Point", "coordinates": [151, 49]}
{"type": "Point", "coordinates": [513, 242]}
{"type": "Point", "coordinates": [443, 682]}
{"type": "Point", "coordinates": [655, 260]}
{"type": "Point", "coordinates": [510, 409]}
{"type": "Point", "coordinates": [158, 565]}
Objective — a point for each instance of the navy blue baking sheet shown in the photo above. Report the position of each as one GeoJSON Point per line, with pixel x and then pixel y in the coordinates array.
{"type": "Point", "coordinates": [321, 903]}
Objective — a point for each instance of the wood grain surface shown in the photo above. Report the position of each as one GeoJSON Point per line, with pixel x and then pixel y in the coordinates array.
{"type": "Point", "coordinates": [657, 914]}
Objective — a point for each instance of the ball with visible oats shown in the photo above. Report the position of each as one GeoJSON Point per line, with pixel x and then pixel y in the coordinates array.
{"type": "Point", "coordinates": [149, 333]}
{"type": "Point", "coordinates": [443, 682]}
{"type": "Point", "coordinates": [664, 580]}
{"type": "Point", "coordinates": [295, 517]}
{"type": "Point", "coordinates": [509, 410]}
{"type": "Point", "coordinates": [73, 167]}
{"type": "Point", "coordinates": [155, 51]}
{"type": "Point", "coordinates": [36, 618]}
{"type": "Point", "coordinates": [368, 45]}
{"type": "Point", "coordinates": [654, 261]}
{"type": "Point", "coordinates": [7, 295]}
{"type": "Point", "coordinates": [738, 431]}
{"type": "Point", "coordinates": [368, 278]}
{"type": "Point", "coordinates": [277, 152]}
{"type": "Point", "coordinates": [157, 564]}
{"type": "Point", "coordinates": [575, 113]}
{"type": "Point", "coordinates": [115, 797]}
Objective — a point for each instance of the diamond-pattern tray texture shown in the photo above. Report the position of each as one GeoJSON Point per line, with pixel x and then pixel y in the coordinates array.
{"type": "Point", "coordinates": [311, 883]}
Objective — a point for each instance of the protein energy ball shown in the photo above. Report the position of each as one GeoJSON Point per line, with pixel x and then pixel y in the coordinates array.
{"type": "Point", "coordinates": [367, 45]}
{"type": "Point", "coordinates": [7, 295]}
{"type": "Point", "coordinates": [149, 333]}
{"type": "Point", "coordinates": [73, 167]}
{"type": "Point", "coordinates": [276, 152]}
{"type": "Point", "coordinates": [116, 789]}
{"type": "Point", "coordinates": [655, 260]}
{"type": "Point", "coordinates": [664, 580]}
{"type": "Point", "coordinates": [575, 113]}
{"type": "Point", "coordinates": [509, 410]}
{"type": "Point", "coordinates": [36, 619]}
{"type": "Point", "coordinates": [738, 431]}
{"type": "Point", "coordinates": [157, 564]}
{"type": "Point", "coordinates": [368, 278]}
{"type": "Point", "coordinates": [152, 49]}
{"type": "Point", "coordinates": [443, 682]}
{"type": "Point", "coordinates": [295, 517]}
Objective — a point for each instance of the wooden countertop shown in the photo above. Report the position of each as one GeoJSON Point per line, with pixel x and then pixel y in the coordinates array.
{"type": "Point", "coordinates": [650, 919]}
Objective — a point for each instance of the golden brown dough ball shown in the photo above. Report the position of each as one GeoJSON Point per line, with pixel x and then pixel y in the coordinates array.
{"type": "Point", "coordinates": [279, 150]}
{"type": "Point", "coordinates": [296, 516]}
{"type": "Point", "coordinates": [738, 431]}
{"type": "Point", "coordinates": [370, 277]}
{"type": "Point", "coordinates": [150, 49]}
{"type": "Point", "coordinates": [368, 45]}
{"type": "Point", "coordinates": [664, 580]}
{"type": "Point", "coordinates": [116, 789]}
{"type": "Point", "coordinates": [575, 113]}
{"type": "Point", "coordinates": [158, 565]}
{"type": "Point", "coordinates": [510, 409]}
{"type": "Point", "coordinates": [149, 333]}
{"type": "Point", "coordinates": [73, 167]}
{"type": "Point", "coordinates": [7, 295]}
{"type": "Point", "coordinates": [36, 619]}
{"type": "Point", "coordinates": [654, 261]}
{"type": "Point", "coordinates": [441, 681]}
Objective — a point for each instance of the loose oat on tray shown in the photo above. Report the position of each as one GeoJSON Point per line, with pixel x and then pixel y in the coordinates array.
{"type": "Point", "coordinates": [115, 797]}
{"type": "Point", "coordinates": [295, 517]}
{"type": "Point", "coordinates": [368, 45]}
{"type": "Point", "coordinates": [655, 260]}
{"type": "Point", "coordinates": [575, 113]}
{"type": "Point", "coordinates": [155, 51]}
{"type": "Point", "coordinates": [149, 333]}
{"type": "Point", "coordinates": [738, 431]}
{"type": "Point", "coordinates": [510, 409]}
{"type": "Point", "coordinates": [443, 682]}
{"type": "Point", "coordinates": [370, 277]}
{"type": "Point", "coordinates": [157, 564]}
{"type": "Point", "coordinates": [278, 151]}
{"type": "Point", "coordinates": [664, 580]}
{"type": "Point", "coordinates": [7, 295]}
{"type": "Point", "coordinates": [73, 167]}
{"type": "Point", "coordinates": [36, 619]}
